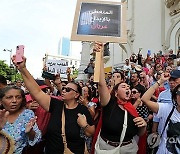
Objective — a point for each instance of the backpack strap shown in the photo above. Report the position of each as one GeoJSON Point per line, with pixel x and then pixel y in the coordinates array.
{"type": "Point", "coordinates": [167, 120]}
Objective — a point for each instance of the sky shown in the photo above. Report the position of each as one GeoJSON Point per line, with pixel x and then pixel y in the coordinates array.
{"type": "Point", "coordinates": [38, 25]}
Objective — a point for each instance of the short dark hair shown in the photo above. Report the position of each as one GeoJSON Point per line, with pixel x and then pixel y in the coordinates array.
{"type": "Point", "coordinates": [138, 74]}
{"type": "Point", "coordinates": [3, 80]}
{"type": "Point", "coordinates": [174, 93]}
{"type": "Point", "coordinates": [121, 73]}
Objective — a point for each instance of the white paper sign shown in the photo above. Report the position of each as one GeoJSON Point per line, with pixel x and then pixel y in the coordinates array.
{"type": "Point", "coordinates": [56, 66]}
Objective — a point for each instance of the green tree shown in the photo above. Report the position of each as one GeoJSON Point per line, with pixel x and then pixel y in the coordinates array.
{"type": "Point", "coordinates": [9, 72]}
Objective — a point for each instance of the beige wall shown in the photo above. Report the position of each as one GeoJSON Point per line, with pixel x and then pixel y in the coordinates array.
{"type": "Point", "coordinates": [149, 26]}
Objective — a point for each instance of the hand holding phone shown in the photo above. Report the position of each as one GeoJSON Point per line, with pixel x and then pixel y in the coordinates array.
{"type": "Point", "coordinates": [19, 53]}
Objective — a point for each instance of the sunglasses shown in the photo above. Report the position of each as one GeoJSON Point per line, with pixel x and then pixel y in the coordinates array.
{"type": "Point", "coordinates": [158, 66]}
{"type": "Point", "coordinates": [134, 92]}
{"type": "Point", "coordinates": [68, 89]}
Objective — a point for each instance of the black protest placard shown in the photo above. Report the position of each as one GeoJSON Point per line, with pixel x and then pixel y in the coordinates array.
{"type": "Point", "coordinates": [99, 21]}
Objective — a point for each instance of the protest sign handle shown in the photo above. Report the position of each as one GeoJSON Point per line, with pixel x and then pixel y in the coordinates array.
{"type": "Point", "coordinates": [97, 66]}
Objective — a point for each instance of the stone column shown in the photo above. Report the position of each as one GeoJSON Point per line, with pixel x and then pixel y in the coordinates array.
{"type": "Point", "coordinates": [85, 57]}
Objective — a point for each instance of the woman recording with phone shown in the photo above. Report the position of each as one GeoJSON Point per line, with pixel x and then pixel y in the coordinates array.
{"type": "Point", "coordinates": [68, 117]}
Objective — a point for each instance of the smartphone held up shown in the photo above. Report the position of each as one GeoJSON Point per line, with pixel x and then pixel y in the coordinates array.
{"type": "Point", "coordinates": [19, 53]}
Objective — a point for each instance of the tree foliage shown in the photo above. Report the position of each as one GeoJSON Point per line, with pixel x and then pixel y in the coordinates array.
{"type": "Point", "coordinates": [10, 73]}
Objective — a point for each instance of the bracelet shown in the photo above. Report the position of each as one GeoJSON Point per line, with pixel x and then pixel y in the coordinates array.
{"type": "Point", "coordinates": [84, 128]}
{"type": "Point", "coordinates": [158, 83]}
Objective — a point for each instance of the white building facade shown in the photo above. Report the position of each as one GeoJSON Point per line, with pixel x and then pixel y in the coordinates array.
{"type": "Point", "coordinates": [151, 25]}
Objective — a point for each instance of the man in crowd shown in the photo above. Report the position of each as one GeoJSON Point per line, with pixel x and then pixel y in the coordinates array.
{"type": "Point", "coordinates": [127, 65]}
{"type": "Point", "coordinates": [135, 79]}
{"type": "Point", "coordinates": [171, 54]}
{"type": "Point", "coordinates": [166, 97]}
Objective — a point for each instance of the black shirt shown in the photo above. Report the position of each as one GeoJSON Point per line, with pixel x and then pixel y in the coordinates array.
{"type": "Point", "coordinates": [54, 139]}
{"type": "Point", "coordinates": [112, 123]}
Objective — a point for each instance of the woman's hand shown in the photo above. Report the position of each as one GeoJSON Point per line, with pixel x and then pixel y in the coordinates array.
{"type": "Point", "coordinates": [138, 102]}
{"type": "Point", "coordinates": [140, 122]}
{"type": "Point", "coordinates": [82, 122]}
{"type": "Point", "coordinates": [45, 68]}
{"type": "Point", "coordinates": [3, 118]}
{"type": "Point", "coordinates": [82, 100]}
{"type": "Point", "coordinates": [21, 65]}
{"type": "Point", "coordinates": [33, 105]}
{"type": "Point", "coordinates": [149, 117]}
{"type": "Point", "coordinates": [98, 46]}
{"type": "Point", "coordinates": [30, 125]}
{"type": "Point", "coordinates": [68, 71]}
{"type": "Point", "coordinates": [164, 77]}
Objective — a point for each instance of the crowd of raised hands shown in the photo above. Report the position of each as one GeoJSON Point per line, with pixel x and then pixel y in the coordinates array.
{"type": "Point", "coordinates": [34, 116]}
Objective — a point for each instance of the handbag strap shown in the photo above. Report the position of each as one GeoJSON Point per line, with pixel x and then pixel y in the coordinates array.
{"type": "Point", "coordinates": [63, 128]}
{"type": "Point", "coordinates": [167, 120]}
{"type": "Point", "coordinates": [124, 128]}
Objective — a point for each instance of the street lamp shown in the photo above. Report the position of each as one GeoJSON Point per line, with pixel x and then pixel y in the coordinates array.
{"type": "Point", "coordinates": [10, 55]}
{"type": "Point", "coordinates": [73, 67]}
{"type": "Point", "coordinates": [11, 66]}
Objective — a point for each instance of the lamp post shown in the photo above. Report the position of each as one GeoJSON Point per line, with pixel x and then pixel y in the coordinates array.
{"type": "Point", "coordinates": [73, 67]}
{"type": "Point", "coordinates": [10, 51]}
{"type": "Point", "coordinates": [10, 64]}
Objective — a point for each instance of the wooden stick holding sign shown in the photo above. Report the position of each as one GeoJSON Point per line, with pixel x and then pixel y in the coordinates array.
{"type": "Point", "coordinates": [98, 51]}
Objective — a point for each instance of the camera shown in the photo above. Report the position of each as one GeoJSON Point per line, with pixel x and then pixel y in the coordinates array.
{"type": "Point", "coordinates": [49, 76]}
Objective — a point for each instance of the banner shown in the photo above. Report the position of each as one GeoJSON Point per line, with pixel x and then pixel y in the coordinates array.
{"type": "Point", "coordinates": [56, 66]}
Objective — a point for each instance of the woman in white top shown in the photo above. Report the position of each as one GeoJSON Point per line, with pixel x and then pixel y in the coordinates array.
{"type": "Point", "coordinates": [169, 142]}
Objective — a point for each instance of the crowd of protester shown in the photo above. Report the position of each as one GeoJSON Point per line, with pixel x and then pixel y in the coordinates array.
{"type": "Point", "coordinates": [120, 113]}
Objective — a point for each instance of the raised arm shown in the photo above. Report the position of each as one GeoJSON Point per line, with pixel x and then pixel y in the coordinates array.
{"type": "Point", "coordinates": [103, 89]}
{"type": "Point", "coordinates": [154, 106]}
{"type": "Point", "coordinates": [42, 98]}
{"type": "Point", "coordinates": [68, 72]}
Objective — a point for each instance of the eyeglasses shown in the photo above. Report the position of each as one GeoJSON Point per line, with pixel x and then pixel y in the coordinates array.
{"type": "Point", "coordinates": [134, 92]}
{"type": "Point", "coordinates": [68, 89]}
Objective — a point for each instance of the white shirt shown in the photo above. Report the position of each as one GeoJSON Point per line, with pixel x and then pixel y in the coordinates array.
{"type": "Point", "coordinates": [126, 67]}
{"type": "Point", "coordinates": [164, 110]}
